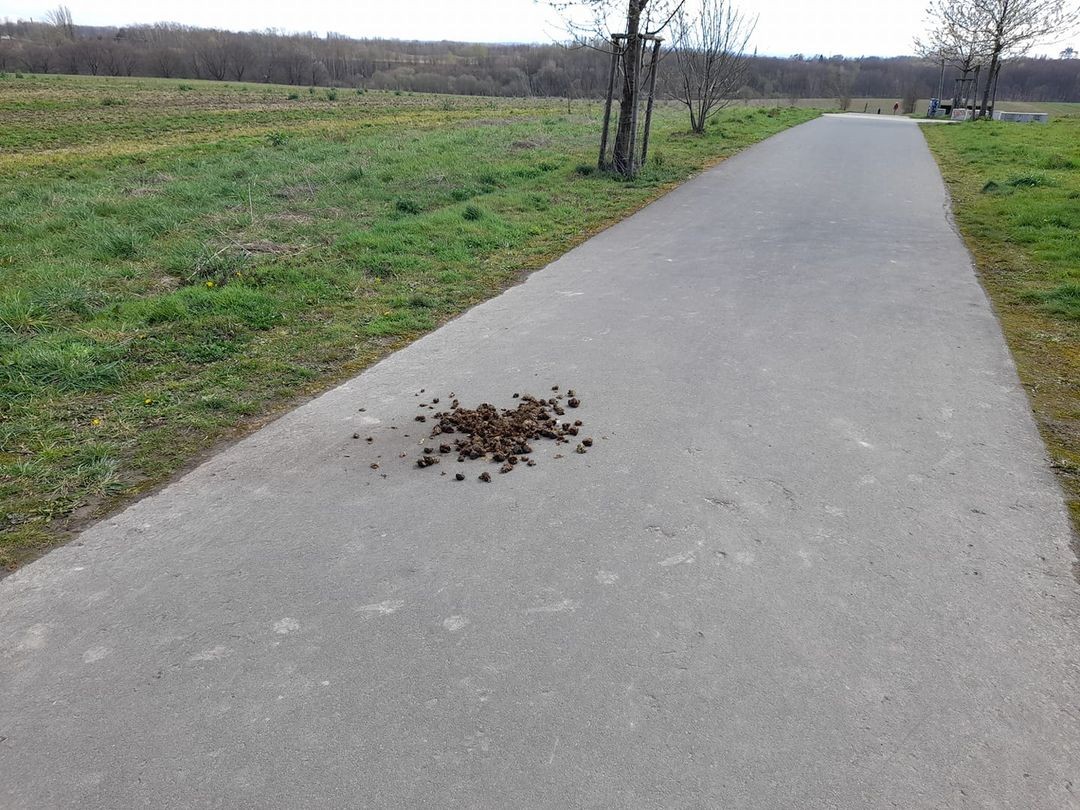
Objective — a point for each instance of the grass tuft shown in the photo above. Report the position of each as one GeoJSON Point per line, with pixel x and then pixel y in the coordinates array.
{"type": "Point", "coordinates": [22, 316]}
{"type": "Point", "coordinates": [1030, 180]}
{"type": "Point", "coordinates": [1063, 300]}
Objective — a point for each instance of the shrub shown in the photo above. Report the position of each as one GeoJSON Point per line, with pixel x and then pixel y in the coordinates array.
{"type": "Point", "coordinates": [331, 94]}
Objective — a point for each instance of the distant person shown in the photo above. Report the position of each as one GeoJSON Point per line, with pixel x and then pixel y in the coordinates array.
{"type": "Point", "coordinates": [896, 108]}
{"type": "Point", "coordinates": [879, 110]}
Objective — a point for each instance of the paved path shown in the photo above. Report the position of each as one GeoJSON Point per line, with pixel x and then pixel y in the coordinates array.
{"type": "Point", "coordinates": [816, 558]}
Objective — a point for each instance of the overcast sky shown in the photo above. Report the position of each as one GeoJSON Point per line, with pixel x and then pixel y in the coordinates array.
{"type": "Point", "coordinates": [849, 27]}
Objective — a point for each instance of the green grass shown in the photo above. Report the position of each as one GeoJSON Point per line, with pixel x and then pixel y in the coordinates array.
{"type": "Point", "coordinates": [181, 262]}
{"type": "Point", "coordinates": [1016, 197]}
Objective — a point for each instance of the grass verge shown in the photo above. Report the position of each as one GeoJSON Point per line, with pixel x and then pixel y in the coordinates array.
{"type": "Point", "coordinates": [179, 260]}
{"type": "Point", "coordinates": [1016, 197]}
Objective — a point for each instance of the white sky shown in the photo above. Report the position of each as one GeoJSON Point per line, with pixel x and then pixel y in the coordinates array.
{"type": "Point", "coordinates": [849, 27]}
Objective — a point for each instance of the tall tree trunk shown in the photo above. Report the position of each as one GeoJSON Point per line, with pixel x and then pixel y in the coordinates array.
{"type": "Point", "coordinates": [994, 67]}
{"type": "Point", "coordinates": [623, 158]}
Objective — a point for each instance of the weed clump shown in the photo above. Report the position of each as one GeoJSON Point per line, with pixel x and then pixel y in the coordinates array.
{"type": "Point", "coordinates": [472, 213]}
{"type": "Point", "coordinates": [1030, 180]}
{"type": "Point", "coordinates": [22, 316]}
{"type": "Point", "coordinates": [421, 301]}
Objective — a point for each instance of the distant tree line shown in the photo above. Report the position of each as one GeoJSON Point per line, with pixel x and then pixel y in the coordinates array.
{"type": "Point", "coordinates": [175, 51]}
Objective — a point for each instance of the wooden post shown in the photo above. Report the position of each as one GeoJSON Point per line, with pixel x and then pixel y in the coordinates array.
{"type": "Point", "coordinates": [631, 170]}
{"type": "Point", "coordinates": [652, 96]}
{"type": "Point", "coordinates": [975, 93]}
{"type": "Point", "coordinates": [602, 163]}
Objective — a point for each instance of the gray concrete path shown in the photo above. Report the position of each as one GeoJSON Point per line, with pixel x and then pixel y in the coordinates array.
{"type": "Point", "coordinates": [815, 559]}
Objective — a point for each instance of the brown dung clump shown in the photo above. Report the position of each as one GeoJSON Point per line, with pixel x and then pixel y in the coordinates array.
{"type": "Point", "coordinates": [504, 436]}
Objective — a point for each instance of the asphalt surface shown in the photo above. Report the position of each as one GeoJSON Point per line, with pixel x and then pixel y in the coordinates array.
{"type": "Point", "coordinates": [816, 557]}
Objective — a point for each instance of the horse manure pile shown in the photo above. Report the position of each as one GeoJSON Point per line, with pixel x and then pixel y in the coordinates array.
{"type": "Point", "coordinates": [503, 436]}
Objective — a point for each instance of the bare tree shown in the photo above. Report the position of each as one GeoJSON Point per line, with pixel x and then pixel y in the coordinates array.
{"type": "Point", "coordinates": [709, 49]}
{"type": "Point", "coordinates": [239, 55]}
{"type": "Point", "coordinates": [212, 55]}
{"type": "Point", "coordinates": [955, 35]}
{"type": "Point", "coordinates": [167, 61]}
{"type": "Point", "coordinates": [60, 19]}
{"type": "Point", "coordinates": [1011, 27]}
{"type": "Point", "coordinates": [90, 53]}
{"type": "Point", "coordinates": [38, 58]}
{"type": "Point", "coordinates": [590, 21]}
{"type": "Point", "coordinates": [112, 62]}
